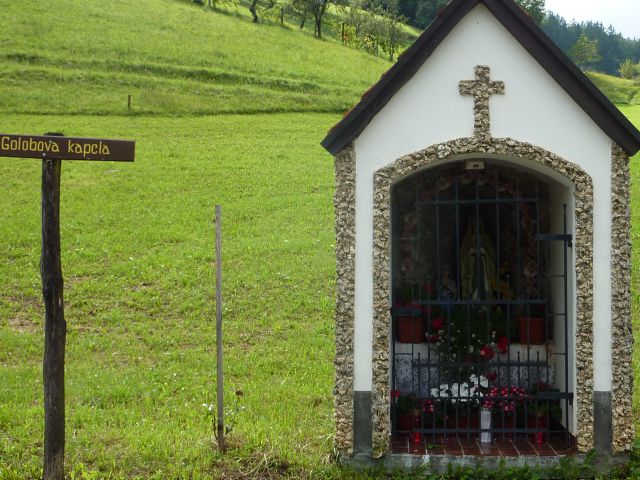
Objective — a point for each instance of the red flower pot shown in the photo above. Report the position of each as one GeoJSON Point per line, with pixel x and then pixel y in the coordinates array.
{"type": "Point", "coordinates": [507, 422]}
{"type": "Point", "coordinates": [410, 329]}
{"type": "Point", "coordinates": [538, 422]}
{"type": "Point", "coordinates": [404, 423]}
{"type": "Point", "coordinates": [463, 421]}
{"type": "Point", "coordinates": [531, 330]}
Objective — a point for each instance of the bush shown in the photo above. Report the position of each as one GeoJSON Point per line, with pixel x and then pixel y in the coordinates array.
{"type": "Point", "coordinates": [628, 69]}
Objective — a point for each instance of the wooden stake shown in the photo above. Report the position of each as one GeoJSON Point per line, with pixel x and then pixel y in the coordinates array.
{"type": "Point", "coordinates": [55, 328]}
{"type": "Point", "coordinates": [219, 373]}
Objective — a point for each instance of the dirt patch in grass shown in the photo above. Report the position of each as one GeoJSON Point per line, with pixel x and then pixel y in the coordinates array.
{"type": "Point", "coordinates": [24, 325]}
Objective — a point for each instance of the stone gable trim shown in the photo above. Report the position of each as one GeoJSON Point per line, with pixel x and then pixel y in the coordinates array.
{"type": "Point", "coordinates": [344, 202]}
{"type": "Point", "coordinates": [621, 327]}
{"type": "Point", "coordinates": [583, 246]}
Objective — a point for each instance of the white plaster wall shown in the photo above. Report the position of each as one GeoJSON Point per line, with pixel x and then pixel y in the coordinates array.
{"type": "Point", "coordinates": [429, 109]}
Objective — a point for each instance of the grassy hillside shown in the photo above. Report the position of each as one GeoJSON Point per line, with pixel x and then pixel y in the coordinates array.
{"type": "Point", "coordinates": [173, 57]}
{"type": "Point", "coordinates": [619, 90]}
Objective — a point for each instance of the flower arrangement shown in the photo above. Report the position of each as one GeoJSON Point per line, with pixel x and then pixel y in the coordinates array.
{"type": "Point", "coordinates": [504, 399]}
{"type": "Point", "coordinates": [469, 335]}
{"type": "Point", "coordinates": [404, 404]}
{"type": "Point", "coordinates": [541, 407]}
{"type": "Point", "coordinates": [469, 392]}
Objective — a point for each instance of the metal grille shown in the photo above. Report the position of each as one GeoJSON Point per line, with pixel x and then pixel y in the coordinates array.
{"type": "Point", "coordinates": [479, 304]}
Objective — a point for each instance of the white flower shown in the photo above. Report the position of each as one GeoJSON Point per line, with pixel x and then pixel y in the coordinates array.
{"type": "Point", "coordinates": [435, 392]}
{"type": "Point", "coordinates": [471, 349]}
{"type": "Point", "coordinates": [464, 392]}
{"type": "Point", "coordinates": [484, 381]}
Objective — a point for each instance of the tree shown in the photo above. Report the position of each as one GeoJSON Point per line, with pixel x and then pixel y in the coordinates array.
{"type": "Point", "coordinates": [317, 9]}
{"type": "Point", "coordinates": [253, 8]}
{"type": "Point", "coordinates": [355, 18]}
{"type": "Point", "coordinates": [585, 52]}
{"type": "Point", "coordinates": [628, 69]}
{"type": "Point", "coordinates": [392, 32]}
{"type": "Point", "coordinates": [535, 8]}
{"type": "Point", "coordinates": [426, 12]}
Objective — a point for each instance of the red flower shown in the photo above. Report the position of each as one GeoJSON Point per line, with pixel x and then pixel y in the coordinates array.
{"type": "Point", "coordinates": [428, 288]}
{"type": "Point", "coordinates": [432, 338]}
{"type": "Point", "coordinates": [427, 406]}
{"type": "Point", "coordinates": [492, 376]}
{"type": "Point", "coordinates": [503, 344]}
{"type": "Point", "coordinates": [486, 352]}
{"type": "Point", "coordinates": [437, 323]}
{"type": "Point", "coordinates": [395, 394]}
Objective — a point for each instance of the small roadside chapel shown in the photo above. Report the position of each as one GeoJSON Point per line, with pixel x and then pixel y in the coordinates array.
{"type": "Point", "coordinates": [483, 253]}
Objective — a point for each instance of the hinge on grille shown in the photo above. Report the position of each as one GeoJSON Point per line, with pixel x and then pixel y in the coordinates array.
{"type": "Point", "coordinates": [562, 237]}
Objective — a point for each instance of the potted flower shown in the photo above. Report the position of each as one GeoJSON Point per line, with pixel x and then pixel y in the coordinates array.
{"type": "Point", "coordinates": [468, 334]}
{"type": "Point", "coordinates": [505, 402]}
{"type": "Point", "coordinates": [410, 324]}
{"type": "Point", "coordinates": [540, 411]}
{"type": "Point", "coordinates": [461, 401]}
{"type": "Point", "coordinates": [409, 319]}
{"type": "Point", "coordinates": [407, 411]}
{"type": "Point", "coordinates": [531, 327]}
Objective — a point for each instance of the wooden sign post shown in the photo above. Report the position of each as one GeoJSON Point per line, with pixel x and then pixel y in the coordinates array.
{"type": "Point", "coordinates": [52, 149]}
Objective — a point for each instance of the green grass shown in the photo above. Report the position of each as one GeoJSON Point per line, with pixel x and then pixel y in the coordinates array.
{"type": "Point", "coordinates": [138, 266]}
{"type": "Point", "coordinates": [619, 90]}
{"type": "Point", "coordinates": [173, 57]}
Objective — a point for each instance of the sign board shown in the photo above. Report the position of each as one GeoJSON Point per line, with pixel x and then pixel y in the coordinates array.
{"type": "Point", "coordinates": [66, 148]}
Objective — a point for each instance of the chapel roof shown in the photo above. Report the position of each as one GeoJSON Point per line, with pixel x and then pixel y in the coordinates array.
{"type": "Point", "coordinates": [528, 34]}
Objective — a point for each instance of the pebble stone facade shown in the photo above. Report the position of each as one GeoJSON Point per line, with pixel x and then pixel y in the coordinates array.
{"type": "Point", "coordinates": [622, 342]}
{"type": "Point", "coordinates": [479, 145]}
{"type": "Point", "coordinates": [345, 208]}
{"type": "Point", "coordinates": [508, 148]}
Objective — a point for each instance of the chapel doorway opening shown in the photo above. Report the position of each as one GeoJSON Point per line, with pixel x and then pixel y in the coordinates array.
{"type": "Point", "coordinates": [482, 306]}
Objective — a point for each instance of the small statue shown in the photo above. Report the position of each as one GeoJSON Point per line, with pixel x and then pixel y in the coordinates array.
{"type": "Point", "coordinates": [447, 283]}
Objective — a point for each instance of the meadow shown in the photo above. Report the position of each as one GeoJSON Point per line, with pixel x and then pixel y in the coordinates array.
{"type": "Point", "coordinates": [138, 265]}
{"type": "Point", "coordinates": [224, 112]}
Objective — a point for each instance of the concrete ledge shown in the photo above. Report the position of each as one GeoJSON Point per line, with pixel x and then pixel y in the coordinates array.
{"type": "Point", "coordinates": [440, 464]}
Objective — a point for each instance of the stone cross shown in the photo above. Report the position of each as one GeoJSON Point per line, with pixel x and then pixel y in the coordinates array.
{"type": "Point", "coordinates": [481, 88]}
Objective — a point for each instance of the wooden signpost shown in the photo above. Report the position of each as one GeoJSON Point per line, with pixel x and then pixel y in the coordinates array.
{"type": "Point", "coordinates": [51, 149]}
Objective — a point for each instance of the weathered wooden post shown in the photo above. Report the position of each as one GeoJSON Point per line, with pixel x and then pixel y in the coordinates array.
{"type": "Point", "coordinates": [52, 149]}
{"type": "Point", "coordinates": [55, 327]}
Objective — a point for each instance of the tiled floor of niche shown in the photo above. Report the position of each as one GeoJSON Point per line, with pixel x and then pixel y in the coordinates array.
{"type": "Point", "coordinates": [501, 446]}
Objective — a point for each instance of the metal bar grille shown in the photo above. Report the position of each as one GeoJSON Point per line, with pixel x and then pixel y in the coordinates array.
{"type": "Point", "coordinates": [476, 342]}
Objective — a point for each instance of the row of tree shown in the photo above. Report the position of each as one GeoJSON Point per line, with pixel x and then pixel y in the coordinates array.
{"type": "Point", "coordinates": [377, 26]}
{"type": "Point", "coordinates": [372, 25]}
{"type": "Point", "coordinates": [605, 48]}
